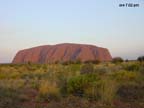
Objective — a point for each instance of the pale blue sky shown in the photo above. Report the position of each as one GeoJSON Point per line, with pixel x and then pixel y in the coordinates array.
{"type": "Point", "coordinates": [29, 23]}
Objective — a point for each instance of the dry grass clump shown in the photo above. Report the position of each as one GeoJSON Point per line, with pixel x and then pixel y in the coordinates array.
{"type": "Point", "coordinates": [48, 92]}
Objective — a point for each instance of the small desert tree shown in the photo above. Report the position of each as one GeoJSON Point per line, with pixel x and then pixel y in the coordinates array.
{"type": "Point", "coordinates": [140, 59]}
{"type": "Point", "coordinates": [117, 60]}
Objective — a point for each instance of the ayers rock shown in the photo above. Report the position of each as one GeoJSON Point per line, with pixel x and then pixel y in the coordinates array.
{"type": "Point", "coordinates": [62, 53]}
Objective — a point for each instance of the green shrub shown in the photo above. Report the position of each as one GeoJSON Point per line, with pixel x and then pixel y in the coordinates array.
{"type": "Point", "coordinates": [92, 88]}
{"type": "Point", "coordinates": [126, 60]}
{"type": "Point", "coordinates": [117, 60]}
{"type": "Point", "coordinates": [101, 70]}
{"type": "Point", "coordinates": [131, 66]}
{"type": "Point", "coordinates": [125, 76]}
{"type": "Point", "coordinates": [87, 68]}
{"type": "Point", "coordinates": [140, 59]}
{"type": "Point", "coordinates": [3, 76]}
{"type": "Point", "coordinates": [15, 75]}
{"type": "Point", "coordinates": [76, 85]}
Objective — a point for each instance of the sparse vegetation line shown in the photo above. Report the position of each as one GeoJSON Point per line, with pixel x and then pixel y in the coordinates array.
{"type": "Point", "coordinates": [113, 84]}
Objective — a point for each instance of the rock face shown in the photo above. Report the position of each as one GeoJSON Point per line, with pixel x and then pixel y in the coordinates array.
{"type": "Point", "coordinates": [62, 53]}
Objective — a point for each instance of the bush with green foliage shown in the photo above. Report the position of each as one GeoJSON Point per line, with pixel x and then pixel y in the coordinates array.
{"type": "Point", "coordinates": [124, 76]}
{"type": "Point", "coordinates": [117, 60]}
{"type": "Point", "coordinates": [93, 88]}
{"type": "Point", "coordinates": [140, 59]}
{"type": "Point", "coordinates": [102, 70]}
{"type": "Point", "coordinates": [77, 85]}
{"type": "Point", "coordinates": [131, 66]}
{"type": "Point", "coordinates": [87, 69]}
